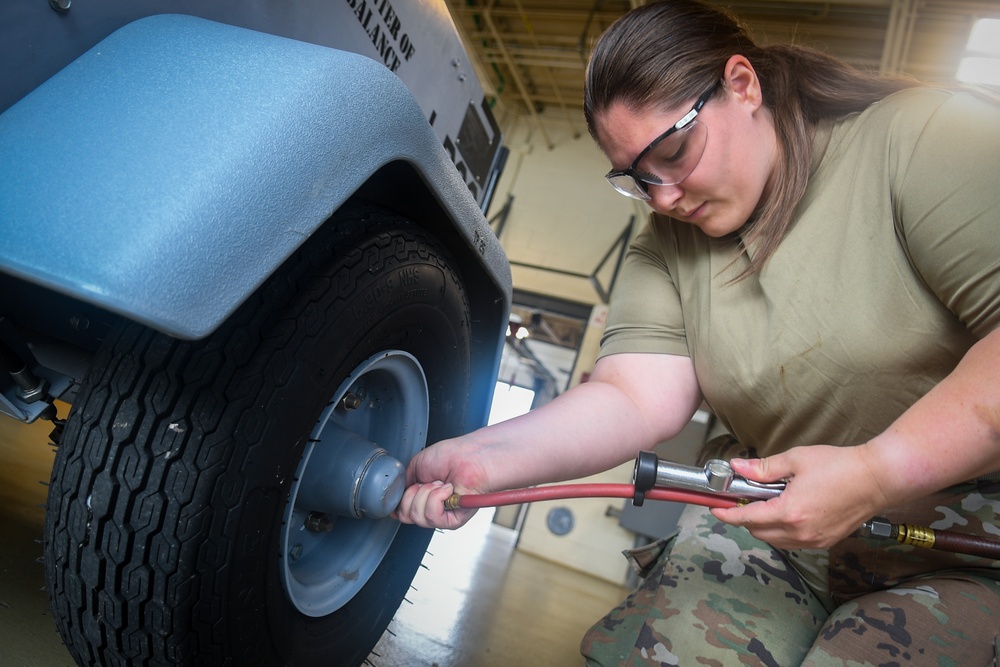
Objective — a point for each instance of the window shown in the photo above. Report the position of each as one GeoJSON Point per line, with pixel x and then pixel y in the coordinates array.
{"type": "Point", "coordinates": [509, 401]}
{"type": "Point", "coordinates": [981, 63]}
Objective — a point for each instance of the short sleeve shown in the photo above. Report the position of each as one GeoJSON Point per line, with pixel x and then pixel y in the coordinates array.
{"type": "Point", "coordinates": [948, 208]}
{"type": "Point", "coordinates": [645, 313]}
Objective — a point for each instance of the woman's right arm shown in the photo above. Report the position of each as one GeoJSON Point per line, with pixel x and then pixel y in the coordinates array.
{"type": "Point", "coordinates": [630, 403]}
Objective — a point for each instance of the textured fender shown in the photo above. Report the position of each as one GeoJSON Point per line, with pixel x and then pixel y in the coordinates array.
{"type": "Point", "coordinates": [170, 169]}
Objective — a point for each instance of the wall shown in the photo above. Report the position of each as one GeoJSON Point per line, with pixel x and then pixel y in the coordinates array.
{"type": "Point", "coordinates": [564, 214]}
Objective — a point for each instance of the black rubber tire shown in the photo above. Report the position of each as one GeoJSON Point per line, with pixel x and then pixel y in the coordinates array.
{"type": "Point", "coordinates": [171, 477]}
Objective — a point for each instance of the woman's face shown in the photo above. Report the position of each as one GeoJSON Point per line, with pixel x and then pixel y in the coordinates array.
{"type": "Point", "coordinates": [734, 171]}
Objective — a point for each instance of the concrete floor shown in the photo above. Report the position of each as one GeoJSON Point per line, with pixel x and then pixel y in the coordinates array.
{"type": "Point", "coordinates": [478, 602]}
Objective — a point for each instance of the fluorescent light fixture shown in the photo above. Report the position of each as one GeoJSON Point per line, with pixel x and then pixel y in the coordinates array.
{"type": "Point", "coordinates": [982, 61]}
{"type": "Point", "coordinates": [979, 69]}
{"type": "Point", "coordinates": [985, 37]}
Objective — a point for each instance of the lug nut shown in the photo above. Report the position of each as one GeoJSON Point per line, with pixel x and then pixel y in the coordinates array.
{"type": "Point", "coordinates": [351, 401]}
{"type": "Point", "coordinates": [317, 522]}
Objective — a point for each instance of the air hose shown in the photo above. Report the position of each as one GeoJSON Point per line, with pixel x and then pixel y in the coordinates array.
{"type": "Point", "coordinates": [563, 491]}
{"type": "Point", "coordinates": [716, 485]}
{"type": "Point", "coordinates": [930, 538]}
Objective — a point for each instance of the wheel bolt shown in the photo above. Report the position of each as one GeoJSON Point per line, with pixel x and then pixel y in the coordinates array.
{"type": "Point", "coordinates": [317, 522]}
{"type": "Point", "coordinates": [351, 401]}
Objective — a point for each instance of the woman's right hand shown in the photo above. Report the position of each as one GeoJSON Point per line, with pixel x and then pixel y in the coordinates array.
{"type": "Point", "coordinates": [433, 475]}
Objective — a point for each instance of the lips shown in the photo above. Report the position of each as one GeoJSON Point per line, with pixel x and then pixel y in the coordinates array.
{"type": "Point", "coordinates": [691, 214]}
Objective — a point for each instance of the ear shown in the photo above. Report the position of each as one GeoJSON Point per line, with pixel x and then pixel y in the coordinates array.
{"type": "Point", "coordinates": [742, 82]}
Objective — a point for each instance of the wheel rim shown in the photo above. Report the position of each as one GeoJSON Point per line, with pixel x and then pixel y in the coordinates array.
{"type": "Point", "coordinates": [350, 475]}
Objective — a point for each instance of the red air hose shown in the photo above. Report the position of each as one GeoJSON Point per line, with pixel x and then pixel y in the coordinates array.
{"type": "Point", "coordinates": [563, 491]}
{"type": "Point", "coordinates": [904, 533]}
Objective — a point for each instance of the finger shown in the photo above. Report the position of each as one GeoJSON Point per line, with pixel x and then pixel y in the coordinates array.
{"type": "Point", "coordinates": [403, 510]}
{"type": "Point", "coordinates": [411, 473]}
{"type": "Point", "coordinates": [759, 513]}
{"type": "Point", "coordinates": [412, 469]}
{"type": "Point", "coordinates": [768, 469]}
{"type": "Point", "coordinates": [413, 508]}
{"type": "Point", "coordinates": [773, 534]}
{"type": "Point", "coordinates": [428, 506]}
{"type": "Point", "coordinates": [734, 516]}
{"type": "Point", "coordinates": [429, 510]}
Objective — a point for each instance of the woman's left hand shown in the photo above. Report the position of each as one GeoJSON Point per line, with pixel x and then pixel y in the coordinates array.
{"type": "Point", "coordinates": [830, 492]}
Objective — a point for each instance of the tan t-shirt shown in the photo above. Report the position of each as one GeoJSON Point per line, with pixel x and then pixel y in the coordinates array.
{"type": "Point", "coordinates": [889, 273]}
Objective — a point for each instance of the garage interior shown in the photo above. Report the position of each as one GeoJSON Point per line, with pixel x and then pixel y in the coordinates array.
{"type": "Point", "coordinates": [521, 586]}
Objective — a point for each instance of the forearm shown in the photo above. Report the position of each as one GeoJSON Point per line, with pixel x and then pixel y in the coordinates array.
{"type": "Point", "coordinates": [584, 431]}
{"type": "Point", "coordinates": [952, 434]}
{"type": "Point", "coordinates": [628, 404]}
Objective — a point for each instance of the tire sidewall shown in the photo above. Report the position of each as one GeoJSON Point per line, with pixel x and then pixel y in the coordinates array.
{"type": "Point", "coordinates": [408, 302]}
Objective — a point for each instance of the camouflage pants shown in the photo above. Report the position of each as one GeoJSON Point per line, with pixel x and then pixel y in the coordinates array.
{"type": "Point", "coordinates": [713, 595]}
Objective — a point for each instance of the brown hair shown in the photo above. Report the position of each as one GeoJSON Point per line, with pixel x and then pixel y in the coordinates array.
{"type": "Point", "coordinates": [662, 54]}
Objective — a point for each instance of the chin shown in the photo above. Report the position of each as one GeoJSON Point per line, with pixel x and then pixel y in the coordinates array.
{"type": "Point", "coordinates": [718, 226]}
{"type": "Point", "coordinates": [715, 230]}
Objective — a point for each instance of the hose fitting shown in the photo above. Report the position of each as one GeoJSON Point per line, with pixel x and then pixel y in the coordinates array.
{"type": "Point", "coordinates": [918, 536]}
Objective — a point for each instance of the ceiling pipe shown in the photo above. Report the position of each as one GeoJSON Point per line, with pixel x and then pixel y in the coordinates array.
{"type": "Point", "coordinates": [515, 73]}
{"type": "Point", "coordinates": [547, 69]}
{"type": "Point", "coordinates": [911, 26]}
{"type": "Point", "coordinates": [899, 33]}
{"type": "Point", "coordinates": [541, 58]}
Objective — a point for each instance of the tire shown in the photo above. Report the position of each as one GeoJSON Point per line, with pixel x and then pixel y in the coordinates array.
{"type": "Point", "coordinates": [182, 526]}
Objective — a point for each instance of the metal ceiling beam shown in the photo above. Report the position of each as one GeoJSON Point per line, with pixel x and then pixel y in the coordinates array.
{"type": "Point", "coordinates": [879, 4]}
{"type": "Point", "coordinates": [547, 68]}
{"type": "Point", "coordinates": [515, 73]}
{"type": "Point", "coordinates": [554, 15]}
{"type": "Point", "coordinates": [902, 19]}
{"type": "Point", "coordinates": [570, 60]}
{"type": "Point", "coordinates": [535, 45]}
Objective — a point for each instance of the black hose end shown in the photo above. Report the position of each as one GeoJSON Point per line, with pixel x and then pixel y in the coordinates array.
{"type": "Point", "coordinates": [644, 476]}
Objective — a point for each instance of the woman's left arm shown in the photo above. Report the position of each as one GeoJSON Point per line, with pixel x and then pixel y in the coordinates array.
{"type": "Point", "coordinates": [950, 435]}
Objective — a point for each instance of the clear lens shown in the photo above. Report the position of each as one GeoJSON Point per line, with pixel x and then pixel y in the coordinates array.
{"type": "Point", "coordinates": [628, 186]}
{"type": "Point", "coordinates": [667, 162]}
{"type": "Point", "coordinates": [673, 159]}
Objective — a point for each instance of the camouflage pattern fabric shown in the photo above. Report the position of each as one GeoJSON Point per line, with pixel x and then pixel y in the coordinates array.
{"type": "Point", "coordinates": [714, 595]}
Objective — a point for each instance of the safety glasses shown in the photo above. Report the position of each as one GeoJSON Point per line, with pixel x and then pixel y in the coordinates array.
{"type": "Point", "coordinates": [669, 158]}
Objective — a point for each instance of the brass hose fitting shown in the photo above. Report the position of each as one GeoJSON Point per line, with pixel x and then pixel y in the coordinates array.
{"type": "Point", "coordinates": [918, 536]}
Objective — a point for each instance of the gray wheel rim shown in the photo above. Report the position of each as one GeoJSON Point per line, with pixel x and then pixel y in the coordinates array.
{"type": "Point", "coordinates": [327, 559]}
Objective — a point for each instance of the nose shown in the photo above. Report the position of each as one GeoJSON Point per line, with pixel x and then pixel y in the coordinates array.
{"type": "Point", "coordinates": [663, 198]}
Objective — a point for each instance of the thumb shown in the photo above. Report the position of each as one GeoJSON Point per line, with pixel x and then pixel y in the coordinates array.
{"type": "Point", "coordinates": [768, 469]}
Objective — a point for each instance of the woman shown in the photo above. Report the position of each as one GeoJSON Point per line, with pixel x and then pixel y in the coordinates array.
{"type": "Point", "coordinates": [823, 268]}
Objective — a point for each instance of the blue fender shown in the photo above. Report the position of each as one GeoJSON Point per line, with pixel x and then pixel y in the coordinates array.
{"type": "Point", "coordinates": [167, 172]}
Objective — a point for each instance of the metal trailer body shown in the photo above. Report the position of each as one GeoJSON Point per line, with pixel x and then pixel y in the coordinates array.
{"type": "Point", "coordinates": [415, 39]}
{"type": "Point", "coordinates": [179, 181]}
{"type": "Point", "coordinates": [98, 154]}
